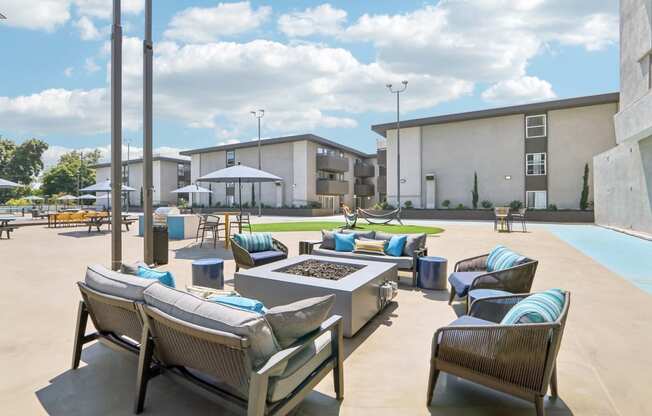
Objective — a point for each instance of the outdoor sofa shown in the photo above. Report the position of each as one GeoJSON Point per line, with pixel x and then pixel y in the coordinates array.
{"type": "Point", "coordinates": [248, 359]}
{"type": "Point", "coordinates": [518, 359]}
{"type": "Point", "coordinates": [415, 247]}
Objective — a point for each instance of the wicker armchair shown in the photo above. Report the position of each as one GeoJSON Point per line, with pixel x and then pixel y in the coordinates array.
{"type": "Point", "coordinates": [244, 259]}
{"type": "Point", "coordinates": [225, 358]}
{"type": "Point", "coordinates": [515, 359]}
{"type": "Point", "coordinates": [473, 273]}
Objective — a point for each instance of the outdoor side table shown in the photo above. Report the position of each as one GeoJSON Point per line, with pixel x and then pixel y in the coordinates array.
{"type": "Point", "coordinates": [208, 273]}
{"type": "Point", "coordinates": [306, 246]}
{"type": "Point", "coordinates": [432, 272]}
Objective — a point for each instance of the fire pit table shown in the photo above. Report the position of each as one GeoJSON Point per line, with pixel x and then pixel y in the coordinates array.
{"type": "Point", "coordinates": [355, 283]}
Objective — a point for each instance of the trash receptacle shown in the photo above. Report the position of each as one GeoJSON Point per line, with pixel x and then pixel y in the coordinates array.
{"type": "Point", "coordinates": [160, 244]}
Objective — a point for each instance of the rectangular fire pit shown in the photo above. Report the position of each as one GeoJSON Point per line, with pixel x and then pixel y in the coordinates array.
{"type": "Point", "coordinates": [357, 294]}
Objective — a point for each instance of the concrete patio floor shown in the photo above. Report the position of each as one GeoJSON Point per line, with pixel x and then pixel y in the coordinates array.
{"type": "Point", "coordinates": [604, 366]}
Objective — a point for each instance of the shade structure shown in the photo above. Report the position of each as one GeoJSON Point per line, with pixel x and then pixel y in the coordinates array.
{"type": "Point", "coordinates": [5, 184]}
{"type": "Point", "coordinates": [192, 189]}
{"type": "Point", "coordinates": [87, 196]}
{"type": "Point", "coordinates": [32, 198]}
{"type": "Point", "coordinates": [105, 186]}
{"type": "Point", "coordinates": [67, 198]}
{"type": "Point", "coordinates": [239, 174]}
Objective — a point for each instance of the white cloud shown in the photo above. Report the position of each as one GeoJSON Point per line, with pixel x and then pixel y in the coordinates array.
{"type": "Point", "coordinates": [87, 29]}
{"type": "Point", "coordinates": [323, 19]}
{"type": "Point", "coordinates": [520, 90]}
{"type": "Point", "coordinates": [90, 65]}
{"type": "Point", "coordinates": [68, 71]}
{"type": "Point", "coordinates": [198, 24]}
{"type": "Point", "coordinates": [36, 14]}
{"type": "Point", "coordinates": [103, 8]}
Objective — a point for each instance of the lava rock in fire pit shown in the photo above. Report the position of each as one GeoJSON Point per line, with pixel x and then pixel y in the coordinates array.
{"type": "Point", "coordinates": [321, 269]}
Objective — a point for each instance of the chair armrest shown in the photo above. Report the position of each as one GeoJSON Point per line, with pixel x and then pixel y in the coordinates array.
{"type": "Point", "coordinates": [517, 279]}
{"type": "Point", "coordinates": [494, 308]}
{"type": "Point", "coordinates": [279, 246]}
{"type": "Point", "coordinates": [240, 255]}
{"type": "Point", "coordinates": [472, 264]}
{"type": "Point", "coordinates": [278, 361]}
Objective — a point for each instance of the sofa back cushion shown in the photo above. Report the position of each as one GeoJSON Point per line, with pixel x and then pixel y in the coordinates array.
{"type": "Point", "coordinates": [328, 239]}
{"type": "Point", "coordinates": [106, 281]}
{"type": "Point", "coordinates": [414, 242]}
{"type": "Point", "coordinates": [501, 258]}
{"type": "Point", "coordinates": [294, 320]}
{"type": "Point", "coordinates": [189, 308]}
{"type": "Point", "coordinates": [255, 242]}
{"type": "Point", "coordinates": [537, 308]}
{"type": "Point", "coordinates": [360, 234]}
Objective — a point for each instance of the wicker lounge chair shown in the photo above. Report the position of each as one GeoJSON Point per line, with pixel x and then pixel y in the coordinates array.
{"type": "Point", "coordinates": [471, 273]}
{"type": "Point", "coordinates": [245, 260]}
{"type": "Point", "coordinates": [515, 359]}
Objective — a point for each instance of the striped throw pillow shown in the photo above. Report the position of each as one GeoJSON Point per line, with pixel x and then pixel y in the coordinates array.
{"type": "Point", "coordinates": [255, 242]}
{"type": "Point", "coordinates": [371, 247]}
{"type": "Point", "coordinates": [501, 258]}
{"type": "Point", "coordinates": [540, 307]}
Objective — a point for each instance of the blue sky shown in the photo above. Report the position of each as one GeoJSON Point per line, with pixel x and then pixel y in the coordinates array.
{"type": "Point", "coordinates": [313, 66]}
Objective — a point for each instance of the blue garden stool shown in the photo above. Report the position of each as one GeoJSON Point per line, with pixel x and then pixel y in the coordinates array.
{"type": "Point", "coordinates": [208, 273]}
{"type": "Point", "coordinates": [432, 273]}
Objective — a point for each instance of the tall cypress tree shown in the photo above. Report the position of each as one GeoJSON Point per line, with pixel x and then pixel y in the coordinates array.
{"type": "Point", "coordinates": [584, 198]}
{"type": "Point", "coordinates": [474, 192]}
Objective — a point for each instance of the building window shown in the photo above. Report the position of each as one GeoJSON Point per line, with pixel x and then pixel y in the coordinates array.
{"type": "Point", "coordinates": [230, 158]}
{"type": "Point", "coordinates": [535, 126]}
{"type": "Point", "coordinates": [536, 199]}
{"type": "Point", "coordinates": [183, 175]}
{"type": "Point", "coordinates": [329, 152]}
{"type": "Point", "coordinates": [535, 164]}
{"type": "Point", "coordinates": [125, 175]}
{"type": "Point", "coordinates": [330, 176]}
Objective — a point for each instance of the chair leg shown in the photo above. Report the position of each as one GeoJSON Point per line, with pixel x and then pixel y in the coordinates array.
{"type": "Point", "coordinates": [144, 363]}
{"type": "Point", "coordinates": [553, 382]}
{"type": "Point", "coordinates": [257, 395]}
{"type": "Point", "coordinates": [414, 276]}
{"type": "Point", "coordinates": [80, 331]}
{"type": "Point", "coordinates": [450, 300]}
{"type": "Point", "coordinates": [338, 371]}
{"type": "Point", "coordinates": [538, 404]}
{"type": "Point", "coordinates": [237, 268]}
{"type": "Point", "coordinates": [432, 382]}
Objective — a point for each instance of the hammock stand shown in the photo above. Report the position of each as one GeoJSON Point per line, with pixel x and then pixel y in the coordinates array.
{"type": "Point", "coordinates": [380, 219]}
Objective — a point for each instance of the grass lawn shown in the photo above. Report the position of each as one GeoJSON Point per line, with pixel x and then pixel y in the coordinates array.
{"type": "Point", "coordinates": [329, 225]}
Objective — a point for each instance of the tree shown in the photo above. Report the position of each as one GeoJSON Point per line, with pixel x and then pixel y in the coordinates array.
{"type": "Point", "coordinates": [584, 197]}
{"type": "Point", "coordinates": [72, 172]}
{"type": "Point", "coordinates": [20, 163]}
{"type": "Point", "coordinates": [474, 192]}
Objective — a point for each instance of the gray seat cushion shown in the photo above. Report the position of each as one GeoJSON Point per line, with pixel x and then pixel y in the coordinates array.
{"type": "Point", "coordinates": [402, 262]}
{"type": "Point", "coordinates": [462, 281]}
{"type": "Point", "coordinates": [300, 367]}
{"type": "Point", "coordinates": [106, 281]}
{"type": "Point", "coordinates": [292, 321]}
{"type": "Point", "coordinates": [360, 234]}
{"type": "Point", "coordinates": [189, 308]}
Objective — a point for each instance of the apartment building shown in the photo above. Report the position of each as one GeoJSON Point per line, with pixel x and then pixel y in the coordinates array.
{"type": "Point", "coordinates": [534, 153]}
{"type": "Point", "coordinates": [168, 174]}
{"type": "Point", "coordinates": [623, 175]}
{"type": "Point", "coordinates": [315, 171]}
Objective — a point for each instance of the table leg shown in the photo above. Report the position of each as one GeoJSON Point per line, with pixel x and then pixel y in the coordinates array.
{"type": "Point", "coordinates": [227, 231]}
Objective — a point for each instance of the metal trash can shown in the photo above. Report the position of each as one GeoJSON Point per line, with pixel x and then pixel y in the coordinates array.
{"type": "Point", "coordinates": [160, 244]}
{"type": "Point", "coordinates": [208, 273]}
{"type": "Point", "coordinates": [432, 273]}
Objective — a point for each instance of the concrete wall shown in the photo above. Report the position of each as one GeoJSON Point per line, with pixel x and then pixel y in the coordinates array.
{"type": "Point", "coordinates": [168, 182]}
{"type": "Point", "coordinates": [411, 153]}
{"type": "Point", "coordinates": [623, 175]}
{"type": "Point", "coordinates": [575, 136]}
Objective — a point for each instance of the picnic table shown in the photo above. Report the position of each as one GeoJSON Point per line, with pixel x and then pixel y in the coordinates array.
{"type": "Point", "coordinates": [98, 220]}
{"type": "Point", "coordinates": [5, 227]}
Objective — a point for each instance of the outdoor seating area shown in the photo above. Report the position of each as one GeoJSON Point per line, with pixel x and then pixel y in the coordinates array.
{"type": "Point", "coordinates": [505, 217]}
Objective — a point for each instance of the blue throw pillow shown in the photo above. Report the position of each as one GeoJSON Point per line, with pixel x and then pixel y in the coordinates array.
{"type": "Point", "coordinates": [501, 258]}
{"type": "Point", "coordinates": [396, 245]}
{"type": "Point", "coordinates": [164, 277]}
{"type": "Point", "coordinates": [344, 242]}
{"type": "Point", "coordinates": [255, 242]}
{"type": "Point", "coordinates": [240, 303]}
{"type": "Point", "coordinates": [540, 307]}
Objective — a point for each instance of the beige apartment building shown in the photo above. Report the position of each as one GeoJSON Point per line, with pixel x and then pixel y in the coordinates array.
{"type": "Point", "coordinates": [534, 153]}
{"type": "Point", "coordinates": [314, 171]}
{"type": "Point", "coordinates": [168, 174]}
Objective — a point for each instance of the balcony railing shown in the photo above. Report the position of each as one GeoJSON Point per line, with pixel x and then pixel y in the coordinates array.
{"type": "Point", "coordinates": [332, 187]}
{"type": "Point", "coordinates": [364, 170]}
{"type": "Point", "coordinates": [363, 189]}
{"type": "Point", "coordinates": [332, 163]}
{"type": "Point", "coordinates": [382, 184]}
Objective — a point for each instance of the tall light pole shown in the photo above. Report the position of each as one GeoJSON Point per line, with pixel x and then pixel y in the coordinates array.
{"type": "Point", "coordinates": [258, 114]}
{"type": "Point", "coordinates": [116, 137]}
{"type": "Point", "coordinates": [398, 138]}
{"type": "Point", "coordinates": [148, 68]}
{"type": "Point", "coordinates": [128, 170]}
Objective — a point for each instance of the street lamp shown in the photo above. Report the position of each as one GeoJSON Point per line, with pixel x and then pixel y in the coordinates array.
{"type": "Point", "coordinates": [398, 138]}
{"type": "Point", "coordinates": [258, 114]}
{"type": "Point", "coordinates": [128, 170]}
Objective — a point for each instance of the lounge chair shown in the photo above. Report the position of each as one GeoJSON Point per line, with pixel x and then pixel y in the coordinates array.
{"type": "Point", "coordinates": [517, 359]}
{"type": "Point", "coordinates": [350, 217]}
{"type": "Point", "coordinates": [245, 259]}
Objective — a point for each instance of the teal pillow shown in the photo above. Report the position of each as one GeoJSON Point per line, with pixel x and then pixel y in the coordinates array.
{"type": "Point", "coordinates": [240, 303]}
{"type": "Point", "coordinates": [501, 258]}
{"type": "Point", "coordinates": [344, 242]}
{"type": "Point", "coordinates": [540, 307]}
{"type": "Point", "coordinates": [255, 242]}
{"type": "Point", "coordinates": [165, 278]}
{"type": "Point", "coordinates": [395, 245]}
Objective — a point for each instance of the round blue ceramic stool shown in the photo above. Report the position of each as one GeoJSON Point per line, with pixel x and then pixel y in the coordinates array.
{"type": "Point", "coordinates": [208, 273]}
{"type": "Point", "coordinates": [432, 273]}
{"type": "Point", "coordinates": [476, 294]}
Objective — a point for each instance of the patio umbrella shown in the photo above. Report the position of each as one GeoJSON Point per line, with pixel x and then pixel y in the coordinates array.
{"type": "Point", "coordinates": [5, 184]}
{"type": "Point", "coordinates": [87, 196]}
{"type": "Point", "coordinates": [239, 174]}
{"type": "Point", "coordinates": [33, 198]}
{"type": "Point", "coordinates": [192, 189]}
{"type": "Point", "coordinates": [67, 198]}
{"type": "Point", "coordinates": [105, 186]}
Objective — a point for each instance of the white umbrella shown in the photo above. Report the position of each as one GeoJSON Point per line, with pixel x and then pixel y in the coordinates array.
{"type": "Point", "coordinates": [67, 198]}
{"type": "Point", "coordinates": [192, 189]}
{"type": "Point", "coordinates": [87, 196]}
{"type": "Point", "coordinates": [239, 174]}
{"type": "Point", "coordinates": [32, 198]}
{"type": "Point", "coordinates": [105, 186]}
{"type": "Point", "coordinates": [5, 184]}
